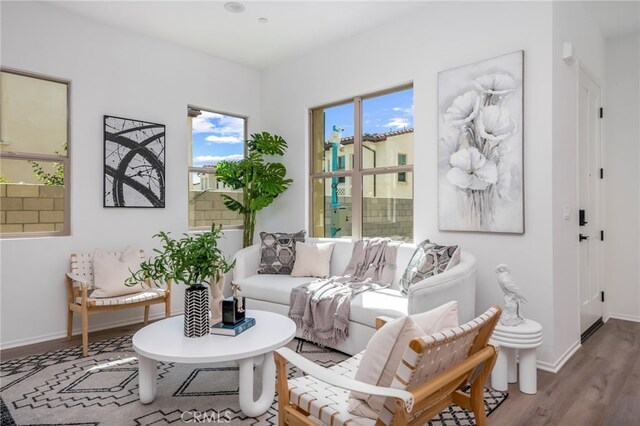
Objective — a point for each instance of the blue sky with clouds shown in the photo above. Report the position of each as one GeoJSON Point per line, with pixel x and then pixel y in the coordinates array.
{"type": "Point", "coordinates": [217, 137]}
{"type": "Point", "coordinates": [393, 111]}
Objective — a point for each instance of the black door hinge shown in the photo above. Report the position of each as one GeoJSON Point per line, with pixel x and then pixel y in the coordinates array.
{"type": "Point", "coordinates": [601, 235]}
{"type": "Point", "coordinates": [601, 112]}
{"type": "Point", "coordinates": [602, 296]}
{"type": "Point", "coordinates": [601, 173]}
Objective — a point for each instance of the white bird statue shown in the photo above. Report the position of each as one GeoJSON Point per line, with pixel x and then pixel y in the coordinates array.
{"type": "Point", "coordinates": [512, 297]}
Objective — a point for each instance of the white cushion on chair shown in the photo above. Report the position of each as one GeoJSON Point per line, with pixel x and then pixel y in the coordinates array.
{"type": "Point", "coordinates": [110, 272]}
{"type": "Point", "coordinates": [124, 300]}
{"type": "Point", "coordinates": [324, 401]}
{"type": "Point", "coordinates": [386, 348]}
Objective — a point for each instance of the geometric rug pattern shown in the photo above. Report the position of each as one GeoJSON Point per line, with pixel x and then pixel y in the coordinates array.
{"type": "Point", "coordinates": [64, 388]}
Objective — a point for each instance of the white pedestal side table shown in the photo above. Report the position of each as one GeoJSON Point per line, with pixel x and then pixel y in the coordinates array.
{"type": "Point", "coordinates": [522, 340]}
{"type": "Point", "coordinates": [165, 341]}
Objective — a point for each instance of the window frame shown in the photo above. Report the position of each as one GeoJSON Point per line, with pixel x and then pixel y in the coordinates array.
{"type": "Point", "coordinates": [52, 158]}
{"type": "Point", "coordinates": [357, 172]}
{"type": "Point", "coordinates": [402, 176]}
{"type": "Point", "coordinates": [210, 170]}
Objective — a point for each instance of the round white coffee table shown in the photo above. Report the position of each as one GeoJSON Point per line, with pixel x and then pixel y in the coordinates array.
{"type": "Point", "coordinates": [164, 341]}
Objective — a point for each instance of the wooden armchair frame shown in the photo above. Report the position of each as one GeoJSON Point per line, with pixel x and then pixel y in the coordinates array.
{"type": "Point", "coordinates": [78, 286]}
{"type": "Point", "coordinates": [412, 407]}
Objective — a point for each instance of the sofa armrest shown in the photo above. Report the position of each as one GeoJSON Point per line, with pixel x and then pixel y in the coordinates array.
{"type": "Point", "coordinates": [247, 262]}
{"type": "Point", "coordinates": [459, 283]}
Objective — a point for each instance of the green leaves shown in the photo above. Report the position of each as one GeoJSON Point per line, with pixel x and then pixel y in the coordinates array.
{"type": "Point", "coordinates": [233, 204]}
{"type": "Point", "coordinates": [50, 179]}
{"type": "Point", "coordinates": [261, 182]}
{"type": "Point", "coordinates": [192, 259]}
{"type": "Point", "coordinates": [230, 173]}
{"type": "Point", "coordinates": [267, 144]}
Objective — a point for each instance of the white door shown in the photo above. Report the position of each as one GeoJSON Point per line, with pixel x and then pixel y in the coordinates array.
{"type": "Point", "coordinates": [589, 194]}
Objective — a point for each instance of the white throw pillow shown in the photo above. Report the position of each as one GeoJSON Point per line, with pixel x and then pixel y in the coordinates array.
{"type": "Point", "coordinates": [312, 260]}
{"type": "Point", "coordinates": [444, 317]}
{"type": "Point", "coordinates": [110, 272]}
{"type": "Point", "coordinates": [386, 349]}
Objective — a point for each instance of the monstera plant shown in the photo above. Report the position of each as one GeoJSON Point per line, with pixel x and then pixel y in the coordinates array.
{"type": "Point", "coordinates": [260, 181]}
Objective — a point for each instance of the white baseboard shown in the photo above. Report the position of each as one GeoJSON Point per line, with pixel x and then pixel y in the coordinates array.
{"type": "Point", "coordinates": [634, 318]}
{"type": "Point", "coordinates": [556, 366]}
{"type": "Point", "coordinates": [76, 331]}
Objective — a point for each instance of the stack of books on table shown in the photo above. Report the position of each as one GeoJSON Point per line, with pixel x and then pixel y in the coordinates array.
{"type": "Point", "coordinates": [233, 330]}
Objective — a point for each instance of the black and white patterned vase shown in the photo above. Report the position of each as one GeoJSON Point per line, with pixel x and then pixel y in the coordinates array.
{"type": "Point", "coordinates": [196, 311]}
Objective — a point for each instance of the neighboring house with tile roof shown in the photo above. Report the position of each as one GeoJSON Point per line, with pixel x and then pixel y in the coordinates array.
{"type": "Point", "coordinates": [385, 149]}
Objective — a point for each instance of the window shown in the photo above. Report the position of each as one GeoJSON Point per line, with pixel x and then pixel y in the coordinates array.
{"type": "Point", "coordinates": [34, 155]}
{"type": "Point", "coordinates": [341, 166]}
{"type": "Point", "coordinates": [214, 137]}
{"type": "Point", "coordinates": [372, 194]}
{"type": "Point", "coordinates": [402, 161]}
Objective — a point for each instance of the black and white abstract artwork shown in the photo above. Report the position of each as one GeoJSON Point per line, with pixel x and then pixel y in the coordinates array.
{"type": "Point", "coordinates": [134, 163]}
{"type": "Point", "coordinates": [480, 146]}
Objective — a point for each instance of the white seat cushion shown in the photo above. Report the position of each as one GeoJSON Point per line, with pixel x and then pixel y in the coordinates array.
{"type": "Point", "coordinates": [271, 288]}
{"type": "Point", "coordinates": [367, 306]}
{"type": "Point", "coordinates": [326, 402]}
{"type": "Point", "coordinates": [153, 293]}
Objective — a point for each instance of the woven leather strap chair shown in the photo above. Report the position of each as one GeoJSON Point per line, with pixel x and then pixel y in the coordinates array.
{"type": "Point", "coordinates": [433, 372]}
{"type": "Point", "coordinates": [79, 300]}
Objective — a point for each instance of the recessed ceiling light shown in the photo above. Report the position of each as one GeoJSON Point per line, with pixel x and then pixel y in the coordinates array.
{"type": "Point", "coordinates": [234, 7]}
{"type": "Point", "coordinates": [263, 20]}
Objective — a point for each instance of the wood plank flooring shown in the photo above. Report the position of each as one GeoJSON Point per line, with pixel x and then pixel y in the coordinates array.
{"type": "Point", "coordinates": [599, 385]}
{"type": "Point", "coordinates": [76, 340]}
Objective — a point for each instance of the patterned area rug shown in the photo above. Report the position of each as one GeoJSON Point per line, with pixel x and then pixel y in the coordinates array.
{"type": "Point", "coordinates": [63, 388]}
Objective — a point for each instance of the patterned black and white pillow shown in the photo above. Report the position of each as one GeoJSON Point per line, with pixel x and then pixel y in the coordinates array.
{"type": "Point", "coordinates": [428, 259]}
{"type": "Point", "coordinates": [278, 252]}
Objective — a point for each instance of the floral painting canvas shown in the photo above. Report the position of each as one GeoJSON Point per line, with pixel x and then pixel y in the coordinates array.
{"type": "Point", "coordinates": [480, 123]}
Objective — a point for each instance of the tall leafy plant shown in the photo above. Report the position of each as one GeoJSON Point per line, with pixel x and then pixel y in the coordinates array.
{"type": "Point", "coordinates": [261, 181]}
{"type": "Point", "coordinates": [192, 259]}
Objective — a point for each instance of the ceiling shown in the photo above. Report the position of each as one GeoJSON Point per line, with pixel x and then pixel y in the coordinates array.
{"type": "Point", "coordinates": [615, 18]}
{"type": "Point", "coordinates": [294, 27]}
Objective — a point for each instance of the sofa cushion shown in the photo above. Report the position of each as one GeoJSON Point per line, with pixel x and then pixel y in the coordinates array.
{"type": "Point", "coordinates": [365, 307]}
{"type": "Point", "coordinates": [271, 288]}
{"type": "Point", "coordinates": [278, 252]}
{"type": "Point", "coordinates": [429, 259]}
{"type": "Point", "coordinates": [313, 260]}
{"type": "Point", "coordinates": [369, 305]}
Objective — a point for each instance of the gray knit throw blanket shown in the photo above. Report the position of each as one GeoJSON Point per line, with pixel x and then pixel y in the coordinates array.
{"type": "Point", "coordinates": [321, 308]}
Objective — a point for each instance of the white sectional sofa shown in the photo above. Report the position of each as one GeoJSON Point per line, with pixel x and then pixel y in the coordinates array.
{"type": "Point", "coordinates": [272, 292]}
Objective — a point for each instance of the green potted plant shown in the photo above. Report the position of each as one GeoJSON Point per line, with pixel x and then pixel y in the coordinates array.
{"type": "Point", "coordinates": [193, 260]}
{"type": "Point", "coordinates": [261, 181]}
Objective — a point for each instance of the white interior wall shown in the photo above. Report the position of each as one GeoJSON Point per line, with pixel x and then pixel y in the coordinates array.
{"type": "Point", "coordinates": [571, 23]}
{"type": "Point", "coordinates": [118, 73]}
{"type": "Point", "coordinates": [115, 72]}
{"type": "Point", "coordinates": [622, 176]}
{"type": "Point", "coordinates": [439, 37]}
